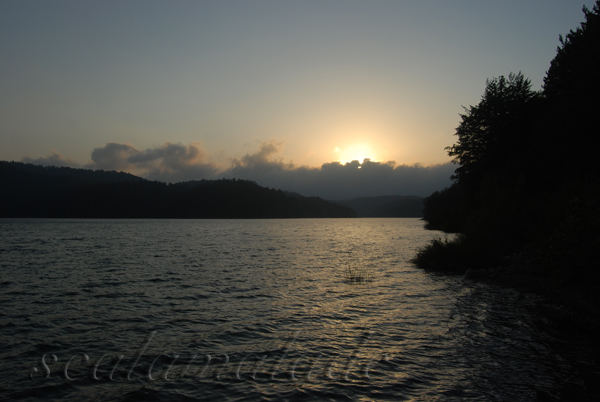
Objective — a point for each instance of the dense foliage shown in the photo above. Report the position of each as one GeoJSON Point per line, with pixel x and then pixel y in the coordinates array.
{"type": "Point", "coordinates": [52, 192]}
{"type": "Point", "coordinates": [526, 191]}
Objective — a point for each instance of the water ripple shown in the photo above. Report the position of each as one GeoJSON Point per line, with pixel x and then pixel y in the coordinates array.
{"type": "Point", "coordinates": [261, 309]}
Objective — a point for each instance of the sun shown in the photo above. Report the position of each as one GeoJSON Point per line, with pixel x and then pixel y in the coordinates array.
{"type": "Point", "coordinates": [354, 152]}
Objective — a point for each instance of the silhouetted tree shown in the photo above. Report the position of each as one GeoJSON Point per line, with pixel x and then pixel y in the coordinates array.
{"type": "Point", "coordinates": [577, 61]}
{"type": "Point", "coordinates": [491, 132]}
{"type": "Point", "coordinates": [572, 88]}
{"type": "Point", "coordinates": [527, 185]}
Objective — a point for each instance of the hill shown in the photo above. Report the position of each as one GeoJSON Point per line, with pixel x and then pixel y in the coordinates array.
{"type": "Point", "coordinates": [61, 192]}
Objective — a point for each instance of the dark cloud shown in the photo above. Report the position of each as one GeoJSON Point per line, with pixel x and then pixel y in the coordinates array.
{"type": "Point", "coordinates": [113, 156]}
{"type": "Point", "coordinates": [54, 159]}
{"type": "Point", "coordinates": [169, 162]}
{"type": "Point", "coordinates": [177, 162]}
{"type": "Point", "coordinates": [341, 181]}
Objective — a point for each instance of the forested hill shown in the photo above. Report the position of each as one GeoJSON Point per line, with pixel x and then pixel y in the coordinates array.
{"type": "Point", "coordinates": [61, 192]}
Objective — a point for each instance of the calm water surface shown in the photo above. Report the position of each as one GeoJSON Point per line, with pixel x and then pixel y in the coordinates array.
{"type": "Point", "coordinates": [254, 309]}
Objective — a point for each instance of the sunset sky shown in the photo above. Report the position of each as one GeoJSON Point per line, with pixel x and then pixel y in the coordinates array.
{"type": "Point", "coordinates": [311, 81]}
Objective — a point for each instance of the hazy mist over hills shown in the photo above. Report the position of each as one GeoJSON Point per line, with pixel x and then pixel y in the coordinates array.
{"type": "Point", "coordinates": [336, 181]}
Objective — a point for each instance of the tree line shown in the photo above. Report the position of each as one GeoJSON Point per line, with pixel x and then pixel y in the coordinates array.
{"type": "Point", "coordinates": [61, 192]}
{"type": "Point", "coordinates": [526, 191]}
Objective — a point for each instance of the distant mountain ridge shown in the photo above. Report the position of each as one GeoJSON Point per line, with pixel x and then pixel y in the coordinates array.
{"type": "Point", "coordinates": [386, 206]}
{"type": "Point", "coordinates": [62, 192]}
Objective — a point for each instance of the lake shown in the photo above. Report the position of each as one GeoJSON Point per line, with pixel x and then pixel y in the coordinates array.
{"type": "Point", "coordinates": [255, 309]}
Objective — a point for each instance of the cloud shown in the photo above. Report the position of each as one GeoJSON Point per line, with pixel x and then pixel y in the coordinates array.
{"type": "Point", "coordinates": [259, 158]}
{"type": "Point", "coordinates": [54, 159]}
{"type": "Point", "coordinates": [113, 156]}
{"type": "Point", "coordinates": [177, 162]}
{"type": "Point", "coordinates": [169, 162]}
{"type": "Point", "coordinates": [341, 181]}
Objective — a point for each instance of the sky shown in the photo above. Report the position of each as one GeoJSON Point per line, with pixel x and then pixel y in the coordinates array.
{"type": "Point", "coordinates": [179, 90]}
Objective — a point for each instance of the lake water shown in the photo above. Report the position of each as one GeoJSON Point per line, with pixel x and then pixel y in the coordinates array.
{"type": "Point", "coordinates": [255, 309]}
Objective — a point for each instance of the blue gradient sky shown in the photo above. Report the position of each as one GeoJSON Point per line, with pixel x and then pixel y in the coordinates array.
{"type": "Point", "coordinates": [325, 80]}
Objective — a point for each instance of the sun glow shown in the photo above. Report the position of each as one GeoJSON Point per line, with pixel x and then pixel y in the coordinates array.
{"type": "Point", "coordinates": [354, 152]}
